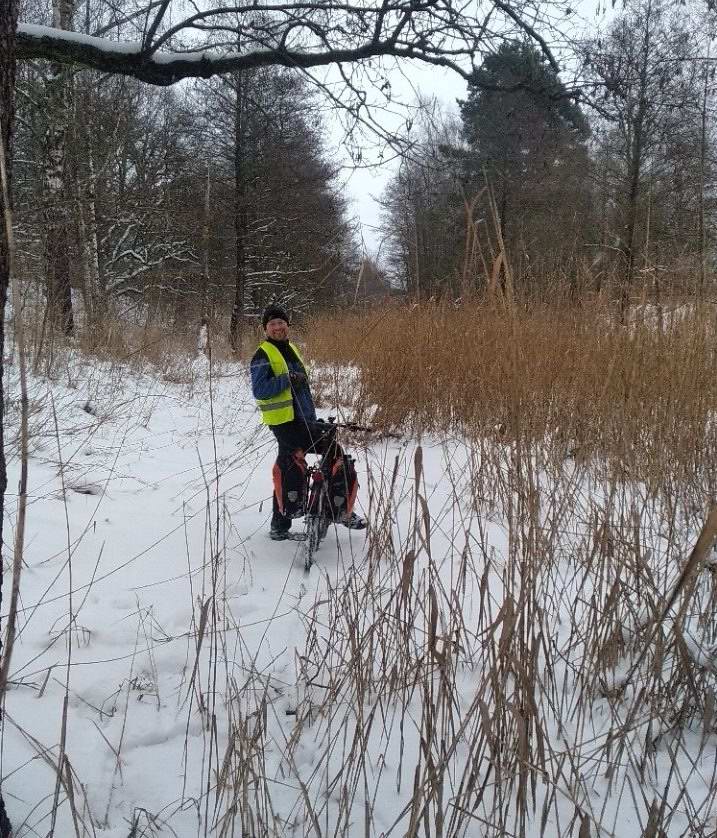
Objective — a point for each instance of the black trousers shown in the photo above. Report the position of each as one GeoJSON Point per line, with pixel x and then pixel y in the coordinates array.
{"type": "Point", "coordinates": [296, 439]}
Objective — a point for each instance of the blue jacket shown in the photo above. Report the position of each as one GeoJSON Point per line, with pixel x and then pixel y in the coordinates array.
{"type": "Point", "coordinates": [265, 385]}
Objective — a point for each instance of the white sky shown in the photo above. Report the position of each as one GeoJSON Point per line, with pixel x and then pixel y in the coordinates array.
{"type": "Point", "coordinates": [365, 185]}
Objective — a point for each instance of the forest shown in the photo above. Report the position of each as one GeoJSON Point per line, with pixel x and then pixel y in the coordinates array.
{"type": "Point", "coordinates": [213, 196]}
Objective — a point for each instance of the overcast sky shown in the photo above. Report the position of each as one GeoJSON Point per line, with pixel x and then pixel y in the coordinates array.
{"type": "Point", "coordinates": [365, 185]}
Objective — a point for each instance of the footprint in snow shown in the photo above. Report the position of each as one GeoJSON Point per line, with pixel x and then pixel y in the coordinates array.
{"type": "Point", "coordinates": [86, 489]}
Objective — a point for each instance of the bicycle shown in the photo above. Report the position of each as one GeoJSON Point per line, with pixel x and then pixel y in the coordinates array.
{"type": "Point", "coordinates": [320, 510]}
{"type": "Point", "coordinates": [316, 519]}
{"type": "Point", "coordinates": [317, 504]}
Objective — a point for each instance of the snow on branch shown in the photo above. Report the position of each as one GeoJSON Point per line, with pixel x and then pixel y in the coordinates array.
{"type": "Point", "coordinates": [291, 34]}
{"type": "Point", "coordinates": [133, 251]}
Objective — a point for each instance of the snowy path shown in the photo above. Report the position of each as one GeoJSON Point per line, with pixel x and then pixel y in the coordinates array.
{"type": "Point", "coordinates": [122, 527]}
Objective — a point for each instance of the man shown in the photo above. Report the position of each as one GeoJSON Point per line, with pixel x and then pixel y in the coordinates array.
{"type": "Point", "coordinates": [281, 388]}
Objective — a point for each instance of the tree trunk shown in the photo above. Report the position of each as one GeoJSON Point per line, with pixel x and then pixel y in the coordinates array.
{"type": "Point", "coordinates": [502, 229]}
{"type": "Point", "coordinates": [633, 195]}
{"type": "Point", "coordinates": [204, 296]}
{"type": "Point", "coordinates": [701, 232]}
{"type": "Point", "coordinates": [93, 295]}
{"type": "Point", "coordinates": [648, 224]}
{"type": "Point", "coordinates": [417, 253]}
{"type": "Point", "coordinates": [8, 26]}
{"type": "Point", "coordinates": [240, 213]}
{"type": "Point", "coordinates": [94, 292]}
{"type": "Point", "coordinates": [93, 278]}
{"type": "Point", "coordinates": [604, 223]}
{"type": "Point", "coordinates": [635, 160]}
{"type": "Point", "coordinates": [57, 261]}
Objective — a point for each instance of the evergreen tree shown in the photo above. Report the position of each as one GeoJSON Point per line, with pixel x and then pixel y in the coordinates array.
{"type": "Point", "coordinates": [263, 141]}
{"type": "Point", "coordinates": [527, 138]}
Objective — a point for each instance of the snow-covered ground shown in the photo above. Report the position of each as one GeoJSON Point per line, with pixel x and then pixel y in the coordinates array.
{"type": "Point", "coordinates": [424, 679]}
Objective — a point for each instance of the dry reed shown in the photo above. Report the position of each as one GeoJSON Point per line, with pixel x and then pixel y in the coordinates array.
{"type": "Point", "coordinates": [571, 376]}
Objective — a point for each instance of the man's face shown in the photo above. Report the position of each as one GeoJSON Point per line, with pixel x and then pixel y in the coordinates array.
{"type": "Point", "coordinates": [277, 329]}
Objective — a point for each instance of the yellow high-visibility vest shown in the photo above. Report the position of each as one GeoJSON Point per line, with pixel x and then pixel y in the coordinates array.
{"type": "Point", "coordinates": [278, 409]}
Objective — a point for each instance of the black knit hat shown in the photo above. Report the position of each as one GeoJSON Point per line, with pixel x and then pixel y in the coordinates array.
{"type": "Point", "coordinates": [272, 311]}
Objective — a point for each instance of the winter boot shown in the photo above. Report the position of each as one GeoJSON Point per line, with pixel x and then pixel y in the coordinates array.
{"type": "Point", "coordinates": [353, 521]}
{"type": "Point", "coordinates": [279, 533]}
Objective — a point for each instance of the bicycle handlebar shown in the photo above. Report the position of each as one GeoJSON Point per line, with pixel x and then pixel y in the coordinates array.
{"type": "Point", "coordinates": [354, 426]}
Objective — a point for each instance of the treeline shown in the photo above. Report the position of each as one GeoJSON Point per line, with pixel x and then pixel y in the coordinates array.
{"type": "Point", "coordinates": [213, 197]}
{"type": "Point", "coordinates": [610, 179]}
{"type": "Point", "coordinates": [209, 198]}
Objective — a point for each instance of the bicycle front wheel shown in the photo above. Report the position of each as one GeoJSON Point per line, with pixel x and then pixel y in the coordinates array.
{"type": "Point", "coordinates": [312, 540]}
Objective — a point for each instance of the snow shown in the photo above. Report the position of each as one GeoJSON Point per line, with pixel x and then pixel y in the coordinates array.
{"type": "Point", "coordinates": [37, 32]}
{"type": "Point", "coordinates": [213, 687]}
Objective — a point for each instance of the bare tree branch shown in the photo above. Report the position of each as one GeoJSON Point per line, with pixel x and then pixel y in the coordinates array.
{"type": "Point", "coordinates": [152, 31]}
{"type": "Point", "coordinates": [529, 30]}
{"type": "Point", "coordinates": [301, 34]}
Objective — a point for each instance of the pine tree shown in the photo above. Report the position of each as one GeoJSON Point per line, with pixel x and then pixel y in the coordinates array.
{"type": "Point", "coordinates": [527, 138]}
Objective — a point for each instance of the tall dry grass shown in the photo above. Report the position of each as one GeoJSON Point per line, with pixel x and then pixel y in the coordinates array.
{"type": "Point", "coordinates": [574, 376]}
{"type": "Point", "coordinates": [592, 442]}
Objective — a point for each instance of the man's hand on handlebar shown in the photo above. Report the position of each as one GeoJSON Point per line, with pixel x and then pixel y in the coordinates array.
{"type": "Point", "coordinates": [297, 379]}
